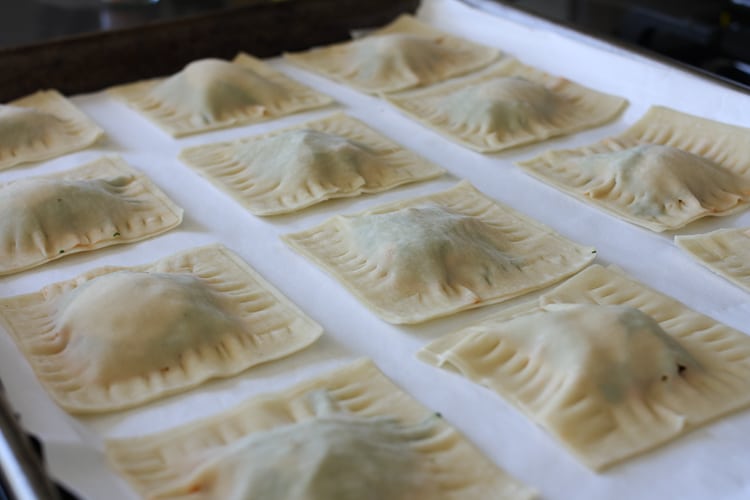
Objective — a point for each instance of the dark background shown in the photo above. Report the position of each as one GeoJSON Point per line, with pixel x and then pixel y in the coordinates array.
{"type": "Point", "coordinates": [710, 35]}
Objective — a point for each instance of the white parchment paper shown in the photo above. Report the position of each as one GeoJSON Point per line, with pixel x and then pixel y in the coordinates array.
{"type": "Point", "coordinates": [711, 462]}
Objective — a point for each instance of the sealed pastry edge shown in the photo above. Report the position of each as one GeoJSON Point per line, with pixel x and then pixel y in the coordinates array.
{"type": "Point", "coordinates": [395, 317]}
{"type": "Point", "coordinates": [114, 163]}
{"type": "Point", "coordinates": [610, 106]}
{"type": "Point", "coordinates": [434, 354]}
{"type": "Point", "coordinates": [387, 398]}
{"type": "Point", "coordinates": [404, 24]}
{"type": "Point", "coordinates": [424, 169]}
{"type": "Point", "coordinates": [131, 93]}
{"type": "Point", "coordinates": [53, 102]}
{"type": "Point", "coordinates": [688, 243]}
{"type": "Point", "coordinates": [314, 331]}
{"type": "Point", "coordinates": [633, 135]}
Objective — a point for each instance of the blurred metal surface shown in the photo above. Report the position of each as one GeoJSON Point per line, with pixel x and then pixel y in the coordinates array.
{"type": "Point", "coordinates": [22, 473]}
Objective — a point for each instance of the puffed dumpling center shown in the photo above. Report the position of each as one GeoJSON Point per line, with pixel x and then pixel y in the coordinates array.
{"type": "Point", "coordinates": [507, 105]}
{"type": "Point", "coordinates": [127, 324]}
{"type": "Point", "coordinates": [336, 456]}
{"type": "Point", "coordinates": [608, 366]}
{"type": "Point", "coordinates": [41, 126]}
{"type": "Point", "coordinates": [118, 337]}
{"type": "Point", "coordinates": [211, 90]}
{"type": "Point", "coordinates": [659, 183]}
{"type": "Point", "coordinates": [418, 259]}
{"type": "Point", "coordinates": [696, 167]}
{"type": "Point", "coordinates": [95, 205]}
{"type": "Point", "coordinates": [429, 246]}
{"type": "Point", "coordinates": [352, 419]}
{"type": "Point", "coordinates": [294, 168]}
{"type": "Point", "coordinates": [402, 55]}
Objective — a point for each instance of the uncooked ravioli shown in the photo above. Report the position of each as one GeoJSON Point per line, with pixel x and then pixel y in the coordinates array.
{"type": "Point", "coordinates": [96, 205]}
{"type": "Point", "coordinates": [607, 366]}
{"type": "Point", "coordinates": [507, 105]}
{"type": "Point", "coordinates": [118, 337]}
{"type": "Point", "coordinates": [667, 170]}
{"type": "Point", "coordinates": [348, 434]}
{"type": "Point", "coordinates": [212, 93]}
{"type": "Point", "coordinates": [418, 259]}
{"type": "Point", "coordinates": [402, 55]}
{"type": "Point", "coordinates": [724, 251]}
{"type": "Point", "coordinates": [41, 126]}
{"type": "Point", "coordinates": [148, 321]}
{"type": "Point", "coordinates": [295, 167]}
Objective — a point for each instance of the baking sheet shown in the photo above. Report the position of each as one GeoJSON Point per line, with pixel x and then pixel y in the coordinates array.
{"type": "Point", "coordinates": [711, 462]}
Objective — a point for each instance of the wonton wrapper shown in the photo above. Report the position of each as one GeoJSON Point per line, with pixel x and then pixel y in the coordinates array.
{"type": "Point", "coordinates": [210, 94]}
{"type": "Point", "coordinates": [725, 252]}
{"type": "Point", "coordinates": [664, 172]}
{"type": "Point", "coordinates": [299, 166]}
{"type": "Point", "coordinates": [508, 105]}
{"type": "Point", "coordinates": [402, 55]}
{"type": "Point", "coordinates": [43, 125]}
{"type": "Point", "coordinates": [116, 337]}
{"type": "Point", "coordinates": [608, 387]}
{"type": "Point", "coordinates": [427, 257]}
{"type": "Point", "coordinates": [96, 205]}
{"type": "Point", "coordinates": [348, 434]}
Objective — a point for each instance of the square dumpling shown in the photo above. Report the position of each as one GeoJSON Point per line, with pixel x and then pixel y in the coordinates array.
{"type": "Point", "coordinates": [41, 126]}
{"type": "Point", "coordinates": [725, 252]}
{"type": "Point", "coordinates": [117, 337]}
{"type": "Point", "coordinates": [347, 434]}
{"type": "Point", "coordinates": [667, 170]}
{"type": "Point", "coordinates": [210, 94]}
{"type": "Point", "coordinates": [508, 105]}
{"type": "Point", "coordinates": [606, 365]}
{"type": "Point", "coordinates": [432, 256]}
{"type": "Point", "coordinates": [96, 205]}
{"type": "Point", "coordinates": [293, 168]}
{"type": "Point", "coordinates": [402, 55]}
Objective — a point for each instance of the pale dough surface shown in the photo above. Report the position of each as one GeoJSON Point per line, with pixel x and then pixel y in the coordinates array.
{"type": "Point", "coordinates": [290, 169]}
{"type": "Point", "coordinates": [432, 256]}
{"type": "Point", "coordinates": [608, 366]}
{"type": "Point", "coordinates": [724, 251]}
{"type": "Point", "coordinates": [118, 337]}
{"type": "Point", "coordinates": [507, 105]}
{"type": "Point", "coordinates": [667, 170]}
{"type": "Point", "coordinates": [96, 205]}
{"type": "Point", "coordinates": [211, 94]}
{"type": "Point", "coordinates": [402, 55]}
{"type": "Point", "coordinates": [43, 125]}
{"type": "Point", "coordinates": [412, 453]}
